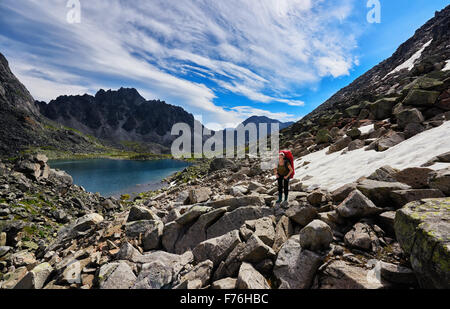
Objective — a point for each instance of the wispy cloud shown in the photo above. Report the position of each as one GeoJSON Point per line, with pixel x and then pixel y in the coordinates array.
{"type": "Point", "coordinates": [186, 52]}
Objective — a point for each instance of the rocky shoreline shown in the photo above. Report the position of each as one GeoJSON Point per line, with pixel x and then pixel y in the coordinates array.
{"type": "Point", "coordinates": [223, 230]}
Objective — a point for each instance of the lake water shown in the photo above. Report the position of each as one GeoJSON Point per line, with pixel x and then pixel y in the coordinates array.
{"type": "Point", "coordinates": [116, 177]}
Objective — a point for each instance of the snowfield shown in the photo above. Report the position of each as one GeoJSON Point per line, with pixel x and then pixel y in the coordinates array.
{"type": "Point", "coordinates": [335, 170]}
{"type": "Point", "coordinates": [409, 64]}
{"type": "Point", "coordinates": [447, 66]}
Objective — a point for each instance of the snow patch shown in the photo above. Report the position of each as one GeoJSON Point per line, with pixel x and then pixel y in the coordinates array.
{"type": "Point", "coordinates": [409, 64]}
{"type": "Point", "coordinates": [335, 170]}
{"type": "Point", "coordinates": [367, 129]}
{"type": "Point", "coordinates": [447, 66]}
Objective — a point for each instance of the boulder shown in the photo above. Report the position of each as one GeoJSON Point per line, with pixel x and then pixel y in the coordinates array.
{"type": "Point", "coordinates": [440, 180]}
{"type": "Point", "coordinates": [302, 215]}
{"type": "Point", "coordinates": [379, 191]}
{"type": "Point", "coordinates": [222, 163]}
{"type": "Point", "coordinates": [323, 136]}
{"type": "Point", "coordinates": [86, 222]}
{"type": "Point", "coordinates": [152, 237]}
{"type": "Point", "coordinates": [386, 221]}
{"type": "Point", "coordinates": [316, 236]}
{"type": "Point", "coordinates": [415, 177]}
{"type": "Point", "coordinates": [423, 231]}
{"type": "Point", "coordinates": [154, 275]}
{"type": "Point", "coordinates": [224, 284]}
{"type": "Point", "coordinates": [412, 129]}
{"type": "Point", "coordinates": [192, 214]}
{"type": "Point", "coordinates": [138, 228]}
{"type": "Point", "coordinates": [403, 197]}
{"type": "Point", "coordinates": [138, 213]}
{"type": "Point", "coordinates": [384, 173]}
{"type": "Point", "coordinates": [398, 274]}
{"type": "Point", "coordinates": [263, 229]}
{"type": "Point", "coordinates": [60, 177]}
{"type": "Point", "coordinates": [198, 277]}
{"type": "Point", "coordinates": [357, 205]}
{"type": "Point", "coordinates": [250, 279]}
{"type": "Point", "coordinates": [283, 231]}
{"type": "Point", "coordinates": [341, 193]}
{"type": "Point", "coordinates": [356, 144]}
{"type": "Point", "coordinates": [316, 198]}
{"type": "Point", "coordinates": [116, 275]}
{"type": "Point", "coordinates": [171, 233]}
{"type": "Point", "coordinates": [236, 202]}
{"type": "Point", "coordinates": [197, 232]}
{"type": "Point", "coordinates": [295, 267]}
{"type": "Point", "coordinates": [256, 250]}
{"type": "Point", "coordinates": [354, 133]}
{"type": "Point", "coordinates": [360, 236]}
{"type": "Point", "coordinates": [22, 258]}
{"type": "Point", "coordinates": [382, 109]}
{"type": "Point", "coordinates": [199, 195]}
{"type": "Point", "coordinates": [389, 140]}
{"type": "Point", "coordinates": [417, 97]}
{"type": "Point", "coordinates": [340, 144]}
{"type": "Point", "coordinates": [408, 116]}
{"type": "Point", "coordinates": [216, 249]}
{"type": "Point", "coordinates": [235, 219]}
{"type": "Point", "coordinates": [36, 278]}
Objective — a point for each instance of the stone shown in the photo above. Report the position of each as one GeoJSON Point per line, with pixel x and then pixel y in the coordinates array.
{"type": "Point", "coordinates": [323, 136]}
{"type": "Point", "coordinates": [386, 221]}
{"type": "Point", "coordinates": [423, 231]}
{"type": "Point", "coordinates": [263, 229]}
{"type": "Point", "coordinates": [197, 277]}
{"type": "Point", "coordinates": [340, 144]}
{"type": "Point", "coordinates": [316, 198]}
{"type": "Point", "coordinates": [408, 116]}
{"type": "Point", "coordinates": [256, 251]}
{"type": "Point", "coordinates": [171, 234]}
{"type": "Point", "coordinates": [360, 237]}
{"type": "Point", "coordinates": [152, 237]}
{"type": "Point", "coordinates": [116, 275]}
{"type": "Point", "coordinates": [3, 239]}
{"type": "Point", "coordinates": [357, 205]}
{"type": "Point", "coordinates": [384, 173]}
{"type": "Point", "coordinates": [250, 279]}
{"type": "Point", "coordinates": [295, 267]}
{"type": "Point", "coordinates": [23, 258]}
{"type": "Point", "coordinates": [398, 274]}
{"type": "Point", "coordinates": [137, 228]}
{"type": "Point", "coordinates": [4, 250]}
{"type": "Point", "coordinates": [382, 109]}
{"type": "Point", "coordinates": [224, 284]}
{"type": "Point", "coordinates": [197, 232]}
{"type": "Point", "coordinates": [440, 180]}
{"type": "Point", "coordinates": [302, 215]}
{"type": "Point", "coordinates": [316, 236]}
{"type": "Point", "coordinates": [237, 202]}
{"type": "Point", "coordinates": [12, 278]}
{"type": "Point", "coordinates": [138, 213]}
{"type": "Point", "coordinates": [36, 278]}
{"type": "Point", "coordinates": [283, 231]}
{"type": "Point", "coordinates": [86, 222]}
{"type": "Point", "coordinates": [379, 191]}
{"type": "Point", "coordinates": [412, 129]}
{"type": "Point", "coordinates": [60, 177]}
{"type": "Point", "coordinates": [192, 214]}
{"type": "Point", "coordinates": [354, 133]}
{"type": "Point", "coordinates": [235, 219]}
{"type": "Point", "coordinates": [415, 177]}
{"type": "Point", "coordinates": [356, 144]}
{"type": "Point", "coordinates": [417, 97]}
{"type": "Point", "coordinates": [199, 195]}
{"type": "Point", "coordinates": [342, 275]}
{"type": "Point", "coordinates": [403, 197]}
{"type": "Point", "coordinates": [389, 140]}
{"type": "Point", "coordinates": [341, 193]}
{"type": "Point", "coordinates": [216, 249]}
{"type": "Point", "coordinates": [222, 163]}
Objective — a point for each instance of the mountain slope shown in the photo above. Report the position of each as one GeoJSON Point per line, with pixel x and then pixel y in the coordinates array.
{"type": "Point", "coordinates": [119, 116]}
{"type": "Point", "coordinates": [22, 126]}
{"type": "Point", "coordinates": [409, 91]}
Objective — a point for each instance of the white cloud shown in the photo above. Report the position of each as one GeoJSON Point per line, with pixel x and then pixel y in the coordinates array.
{"type": "Point", "coordinates": [264, 50]}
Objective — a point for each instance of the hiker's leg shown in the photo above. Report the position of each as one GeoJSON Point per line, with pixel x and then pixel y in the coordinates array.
{"type": "Point", "coordinates": [286, 189]}
{"type": "Point", "coordinates": [280, 189]}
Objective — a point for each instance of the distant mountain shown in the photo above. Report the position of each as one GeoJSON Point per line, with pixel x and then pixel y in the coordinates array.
{"type": "Point", "coordinates": [23, 128]}
{"type": "Point", "coordinates": [263, 119]}
{"type": "Point", "coordinates": [120, 116]}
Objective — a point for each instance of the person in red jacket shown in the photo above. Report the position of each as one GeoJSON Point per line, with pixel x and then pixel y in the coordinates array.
{"type": "Point", "coordinates": [283, 172]}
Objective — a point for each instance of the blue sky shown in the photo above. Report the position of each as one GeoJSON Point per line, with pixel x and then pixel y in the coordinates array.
{"type": "Point", "coordinates": [223, 61]}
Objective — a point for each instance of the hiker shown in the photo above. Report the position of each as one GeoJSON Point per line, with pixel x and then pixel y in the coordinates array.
{"type": "Point", "coordinates": [283, 173]}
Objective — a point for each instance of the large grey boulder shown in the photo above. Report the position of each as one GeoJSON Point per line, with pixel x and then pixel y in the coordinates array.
{"type": "Point", "coordinates": [283, 231]}
{"type": "Point", "coordinates": [138, 213]}
{"type": "Point", "coordinates": [197, 232]}
{"type": "Point", "coordinates": [116, 275]}
{"type": "Point", "coordinates": [357, 205]}
{"type": "Point", "coordinates": [198, 277]}
{"type": "Point", "coordinates": [235, 219]}
{"type": "Point", "coordinates": [36, 278]}
{"type": "Point", "coordinates": [152, 237]}
{"type": "Point", "coordinates": [415, 177]}
{"type": "Point", "coordinates": [361, 236]}
{"type": "Point", "coordinates": [250, 279]}
{"type": "Point", "coordinates": [408, 116]}
{"type": "Point", "coordinates": [295, 267]}
{"type": "Point", "coordinates": [316, 236]}
{"type": "Point", "coordinates": [403, 197]}
{"type": "Point", "coordinates": [418, 97]}
{"type": "Point", "coordinates": [256, 250]}
{"type": "Point", "coordinates": [199, 195]}
{"type": "Point", "coordinates": [171, 233]}
{"type": "Point", "coordinates": [154, 275]}
{"type": "Point", "coordinates": [216, 249]}
{"type": "Point", "coordinates": [86, 222]}
{"type": "Point", "coordinates": [423, 231]}
{"type": "Point", "coordinates": [302, 215]}
{"type": "Point", "coordinates": [222, 163]}
{"type": "Point", "coordinates": [137, 228]}
{"type": "Point", "coordinates": [441, 180]}
{"type": "Point", "coordinates": [192, 214]}
{"type": "Point", "coordinates": [263, 229]}
{"type": "Point", "coordinates": [379, 191]}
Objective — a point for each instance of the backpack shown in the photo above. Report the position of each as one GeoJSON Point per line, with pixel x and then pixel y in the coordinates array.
{"type": "Point", "coordinates": [288, 155]}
